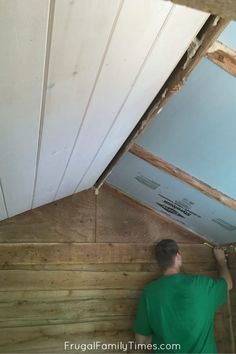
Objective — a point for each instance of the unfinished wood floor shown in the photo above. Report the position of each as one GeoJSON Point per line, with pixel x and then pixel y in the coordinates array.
{"type": "Point", "coordinates": [74, 270]}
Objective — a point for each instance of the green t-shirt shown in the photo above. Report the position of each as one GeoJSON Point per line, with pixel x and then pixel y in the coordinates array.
{"type": "Point", "coordinates": [179, 309]}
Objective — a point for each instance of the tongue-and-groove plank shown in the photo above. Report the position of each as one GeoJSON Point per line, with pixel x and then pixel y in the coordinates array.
{"type": "Point", "coordinates": [76, 76]}
{"type": "Point", "coordinates": [129, 44]}
{"type": "Point", "coordinates": [23, 32]}
{"type": "Point", "coordinates": [80, 35]}
{"type": "Point", "coordinates": [161, 61]}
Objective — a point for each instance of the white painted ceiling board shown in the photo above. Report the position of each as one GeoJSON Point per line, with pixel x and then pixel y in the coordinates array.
{"type": "Point", "coordinates": [135, 32]}
{"type": "Point", "coordinates": [181, 27]}
{"type": "Point", "coordinates": [81, 31]}
{"type": "Point", "coordinates": [23, 30]}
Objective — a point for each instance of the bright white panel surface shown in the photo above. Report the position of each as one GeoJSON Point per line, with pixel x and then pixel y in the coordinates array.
{"type": "Point", "coordinates": [174, 38]}
{"type": "Point", "coordinates": [175, 198]}
{"type": "Point", "coordinates": [23, 28]}
{"type": "Point", "coordinates": [137, 28]}
{"type": "Point", "coordinates": [81, 31]}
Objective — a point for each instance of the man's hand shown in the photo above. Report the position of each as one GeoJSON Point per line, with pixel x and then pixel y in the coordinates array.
{"type": "Point", "coordinates": [219, 254]}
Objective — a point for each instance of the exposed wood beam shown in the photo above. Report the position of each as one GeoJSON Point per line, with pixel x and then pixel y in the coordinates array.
{"type": "Point", "coordinates": [223, 56]}
{"type": "Point", "coordinates": [183, 176]}
{"type": "Point", "coordinates": [205, 38]}
{"type": "Point", "coordinates": [222, 8]}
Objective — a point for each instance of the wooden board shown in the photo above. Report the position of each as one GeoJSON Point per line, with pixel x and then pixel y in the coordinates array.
{"type": "Point", "coordinates": [69, 220]}
{"type": "Point", "coordinates": [50, 339]}
{"type": "Point", "coordinates": [26, 313]}
{"type": "Point", "coordinates": [163, 165]}
{"type": "Point", "coordinates": [61, 280]}
{"type": "Point", "coordinates": [109, 267]}
{"type": "Point", "coordinates": [81, 31]}
{"type": "Point", "coordinates": [67, 295]}
{"type": "Point", "coordinates": [120, 219]}
{"type": "Point", "coordinates": [30, 338]}
{"type": "Point", "coordinates": [232, 259]}
{"type": "Point", "coordinates": [223, 56]}
{"type": "Point", "coordinates": [96, 253]}
{"type": "Point", "coordinates": [23, 30]}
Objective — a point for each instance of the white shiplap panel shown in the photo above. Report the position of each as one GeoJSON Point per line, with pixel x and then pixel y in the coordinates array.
{"type": "Point", "coordinates": [3, 211]}
{"type": "Point", "coordinates": [81, 31]}
{"type": "Point", "coordinates": [181, 27]}
{"type": "Point", "coordinates": [23, 31]}
{"type": "Point", "coordinates": [137, 28]}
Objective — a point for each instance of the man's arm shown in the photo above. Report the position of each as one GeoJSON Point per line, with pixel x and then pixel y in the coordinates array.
{"type": "Point", "coordinates": [222, 267]}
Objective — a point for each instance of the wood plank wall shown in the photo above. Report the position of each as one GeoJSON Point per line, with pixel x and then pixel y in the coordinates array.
{"type": "Point", "coordinates": [74, 270]}
{"type": "Point", "coordinates": [232, 265]}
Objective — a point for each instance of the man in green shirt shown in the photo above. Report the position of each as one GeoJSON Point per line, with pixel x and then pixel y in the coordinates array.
{"type": "Point", "coordinates": [176, 311]}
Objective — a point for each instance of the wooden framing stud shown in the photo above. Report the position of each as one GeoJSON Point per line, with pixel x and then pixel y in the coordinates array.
{"type": "Point", "coordinates": [183, 176]}
{"type": "Point", "coordinates": [223, 56]}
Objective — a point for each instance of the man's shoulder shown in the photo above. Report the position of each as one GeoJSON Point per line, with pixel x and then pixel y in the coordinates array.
{"type": "Point", "coordinates": [186, 278]}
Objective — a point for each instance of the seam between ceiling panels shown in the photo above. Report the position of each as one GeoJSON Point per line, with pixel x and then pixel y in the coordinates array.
{"type": "Point", "coordinates": [128, 94]}
{"type": "Point", "coordinates": [51, 12]}
{"type": "Point", "coordinates": [92, 91]}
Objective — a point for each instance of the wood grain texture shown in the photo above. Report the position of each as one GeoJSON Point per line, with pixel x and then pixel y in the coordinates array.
{"type": "Point", "coordinates": [27, 313]}
{"type": "Point", "coordinates": [109, 267]}
{"type": "Point", "coordinates": [69, 220]}
{"type": "Point", "coordinates": [120, 219]}
{"type": "Point", "coordinates": [52, 280]}
{"type": "Point", "coordinates": [225, 9]}
{"type": "Point", "coordinates": [50, 339]}
{"type": "Point", "coordinates": [95, 253]}
{"type": "Point", "coordinates": [183, 176]}
{"type": "Point", "coordinates": [223, 56]}
{"type": "Point", "coordinates": [25, 308]}
{"type": "Point", "coordinates": [232, 265]}
{"type": "Point", "coordinates": [53, 291]}
{"type": "Point", "coordinates": [61, 280]}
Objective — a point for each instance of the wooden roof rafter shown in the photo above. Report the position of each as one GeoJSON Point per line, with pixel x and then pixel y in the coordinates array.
{"type": "Point", "coordinates": [223, 56]}
{"type": "Point", "coordinates": [183, 176]}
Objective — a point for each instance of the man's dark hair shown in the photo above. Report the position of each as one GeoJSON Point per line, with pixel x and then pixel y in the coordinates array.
{"type": "Point", "coordinates": [166, 250]}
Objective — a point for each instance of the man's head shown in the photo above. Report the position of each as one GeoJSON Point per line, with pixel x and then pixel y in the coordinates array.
{"type": "Point", "coordinates": [168, 255]}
